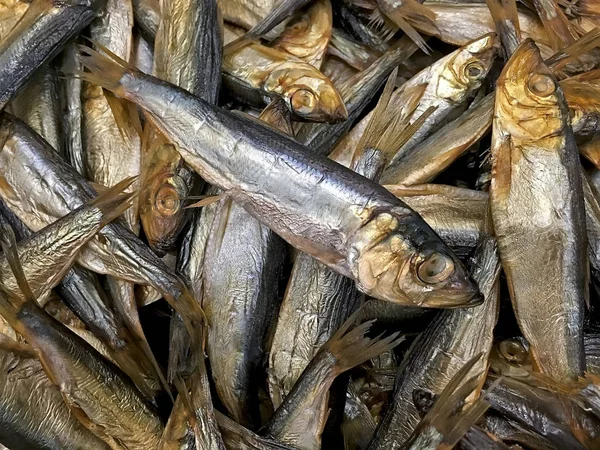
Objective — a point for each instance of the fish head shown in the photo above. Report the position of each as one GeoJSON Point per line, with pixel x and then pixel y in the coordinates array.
{"type": "Point", "coordinates": [314, 98]}
{"type": "Point", "coordinates": [396, 262]}
{"type": "Point", "coordinates": [529, 103]}
{"type": "Point", "coordinates": [465, 69]}
{"type": "Point", "coordinates": [162, 199]}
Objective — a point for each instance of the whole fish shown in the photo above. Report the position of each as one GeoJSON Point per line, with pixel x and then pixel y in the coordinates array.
{"type": "Point", "coordinates": [95, 390]}
{"type": "Point", "coordinates": [46, 26]}
{"type": "Point", "coordinates": [256, 71]}
{"type": "Point", "coordinates": [535, 159]}
{"type": "Point", "coordinates": [441, 350]}
{"type": "Point", "coordinates": [80, 290]}
{"type": "Point", "coordinates": [305, 199]}
{"type": "Point", "coordinates": [24, 418]}
{"type": "Point", "coordinates": [242, 269]}
{"type": "Point", "coordinates": [192, 61]}
{"type": "Point", "coordinates": [300, 419]}
{"type": "Point", "coordinates": [307, 37]}
{"type": "Point", "coordinates": [38, 105]}
{"type": "Point", "coordinates": [445, 85]}
{"type": "Point", "coordinates": [29, 161]}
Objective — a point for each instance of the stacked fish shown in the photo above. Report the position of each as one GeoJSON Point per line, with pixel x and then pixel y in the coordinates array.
{"type": "Point", "coordinates": [300, 224]}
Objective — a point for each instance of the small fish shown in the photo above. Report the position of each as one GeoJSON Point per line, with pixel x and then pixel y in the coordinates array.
{"type": "Point", "coordinates": [256, 71]}
{"type": "Point", "coordinates": [24, 418]}
{"type": "Point", "coordinates": [441, 350]}
{"type": "Point", "coordinates": [524, 143]}
{"type": "Point", "coordinates": [353, 241]}
{"type": "Point", "coordinates": [300, 419]}
{"type": "Point", "coordinates": [307, 37]}
{"type": "Point", "coordinates": [46, 26]}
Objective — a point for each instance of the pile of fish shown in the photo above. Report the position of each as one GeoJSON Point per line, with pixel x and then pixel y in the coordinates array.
{"type": "Point", "coordinates": [300, 224]}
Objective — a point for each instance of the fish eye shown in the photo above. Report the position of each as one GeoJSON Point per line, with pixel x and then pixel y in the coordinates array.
{"type": "Point", "coordinates": [303, 101]}
{"type": "Point", "coordinates": [541, 84]}
{"type": "Point", "coordinates": [435, 269]}
{"type": "Point", "coordinates": [474, 70]}
{"type": "Point", "coordinates": [513, 350]}
{"type": "Point", "coordinates": [167, 200]}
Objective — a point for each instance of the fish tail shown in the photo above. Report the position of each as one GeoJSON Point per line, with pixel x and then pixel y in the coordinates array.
{"type": "Point", "coordinates": [354, 347]}
{"type": "Point", "coordinates": [114, 201]}
{"type": "Point", "coordinates": [581, 46]}
{"type": "Point", "coordinates": [126, 117]}
{"type": "Point", "coordinates": [506, 20]}
{"type": "Point", "coordinates": [105, 69]}
{"type": "Point", "coordinates": [416, 12]}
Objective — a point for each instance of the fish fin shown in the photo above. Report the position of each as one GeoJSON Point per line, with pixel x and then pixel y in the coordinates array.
{"type": "Point", "coordinates": [106, 69]}
{"type": "Point", "coordinates": [278, 115]}
{"type": "Point", "coordinates": [413, 9]}
{"type": "Point", "coordinates": [448, 415]}
{"type": "Point", "coordinates": [190, 311]}
{"type": "Point", "coordinates": [506, 19]}
{"type": "Point", "coordinates": [557, 26]}
{"type": "Point", "coordinates": [21, 349]}
{"type": "Point", "coordinates": [126, 116]}
{"type": "Point", "coordinates": [207, 200]}
{"type": "Point", "coordinates": [354, 347]}
{"type": "Point", "coordinates": [382, 23]}
{"type": "Point", "coordinates": [8, 242]}
{"type": "Point", "coordinates": [238, 44]}
{"type": "Point", "coordinates": [114, 201]}
{"type": "Point", "coordinates": [379, 119]}
{"type": "Point", "coordinates": [581, 46]}
{"type": "Point", "coordinates": [98, 187]}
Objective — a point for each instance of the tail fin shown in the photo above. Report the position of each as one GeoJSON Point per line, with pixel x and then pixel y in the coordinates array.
{"type": "Point", "coordinates": [449, 416]}
{"type": "Point", "coordinates": [238, 437]}
{"type": "Point", "coordinates": [506, 19]}
{"type": "Point", "coordinates": [572, 52]}
{"type": "Point", "coordinates": [353, 348]}
{"type": "Point", "coordinates": [413, 10]}
{"type": "Point", "coordinates": [106, 69]}
{"type": "Point", "coordinates": [114, 201]}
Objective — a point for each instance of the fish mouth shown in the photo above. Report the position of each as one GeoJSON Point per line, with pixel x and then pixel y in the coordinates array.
{"type": "Point", "coordinates": [339, 114]}
{"type": "Point", "coordinates": [457, 294]}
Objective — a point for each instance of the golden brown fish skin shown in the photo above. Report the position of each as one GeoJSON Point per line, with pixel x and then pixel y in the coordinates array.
{"type": "Point", "coordinates": [111, 142]}
{"type": "Point", "coordinates": [38, 105]}
{"type": "Point", "coordinates": [37, 421]}
{"type": "Point", "coordinates": [532, 135]}
{"type": "Point", "coordinates": [97, 392]}
{"type": "Point", "coordinates": [266, 71]}
{"type": "Point", "coordinates": [308, 36]}
{"type": "Point", "coordinates": [188, 54]}
{"type": "Point", "coordinates": [246, 14]}
{"type": "Point", "coordinates": [10, 13]}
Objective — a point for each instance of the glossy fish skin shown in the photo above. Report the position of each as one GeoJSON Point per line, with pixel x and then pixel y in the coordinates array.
{"type": "Point", "coordinates": [456, 214]}
{"type": "Point", "coordinates": [431, 156]}
{"type": "Point", "coordinates": [119, 253]}
{"type": "Point", "coordinates": [242, 267]}
{"type": "Point", "coordinates": [97, 392]}
{"type": "Point", "coordinates": [300, 419]}
{"type": "Point", "coordinates": [527, 406]}
{"type": "Point", "coordinates": [47, 255]}
{"type": "Point", "coordinates": [246, 14]}
{"type": "Point", "coordinates": [305, 199]}
{"type": "Point", "coordinates": [441, 350]}
{"type": "Point", "coordinates": [553, 236]}
{"type": "Point", "coordinates": [444, 85]}
{"type": "Point", "coordinates": [38, 105]}
{"type": "Point", "coordinates": [188, 54]}
{"type": "Point", "coordinates": [147, 17]}
{"type": "Point", "coordinates": [357, 93]}
{"type": "Point", "coordinates": [255, 71]}
{"type": "Point", "coordinates": [308, 36]}
{"type": "Point", "coordinates": [46, 26]}
{"type": "Point", "coordinates": [24, 419]}
{"type": "Point", "coordinates": [111, 142]}
{"type": "Point", "coordinates": [454, 81]}
{"type": "Point", "coordinates": [72, 109]}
